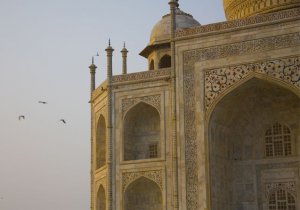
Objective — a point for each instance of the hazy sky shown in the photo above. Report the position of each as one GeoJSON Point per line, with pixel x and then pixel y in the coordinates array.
{"type": "Point", "coordinates": [45, 50]}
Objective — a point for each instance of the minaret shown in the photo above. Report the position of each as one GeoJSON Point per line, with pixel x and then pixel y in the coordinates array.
{"type": "Point", "coordinates": [109, 50]}
{"type": "Point", "coordinates": [92, 68]}
{"type": "Point", "coordinates": [175, 203]}
{"type": "Point", "coordinates": [124, 52]}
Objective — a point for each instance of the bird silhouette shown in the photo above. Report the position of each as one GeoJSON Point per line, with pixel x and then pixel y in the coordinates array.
{"type": "Point", "coordinates": [21, 117]}
{"type": "Point", "coordinates": [42, 102]}
{"type": "Point", "coordinates": [62, 120]}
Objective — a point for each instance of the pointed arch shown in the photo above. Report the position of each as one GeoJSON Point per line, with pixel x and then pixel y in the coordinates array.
{"type": "Point", "coordinates": [101, 198]}
{"type": "Point", "coordinates": [101, 142]}
{"type": "Point", "coordinates": [143, 193]}
{"type": "Point", "coordinates": [151, 65]}
{"type": "Point", "coordinates": [254, 75]}
{"type": "Point", "coordinates": [165, 62]}
{"type": "Point", "coordinates": [141, 132]}
{"type": "Point", "coordinates": [236, 134]}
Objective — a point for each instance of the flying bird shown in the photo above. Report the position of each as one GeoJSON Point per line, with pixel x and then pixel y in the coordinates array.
{"type": "Point", "coordinates": [42, 102]}
{"type": "Point", "coordinates": [62, 120]}
{"type": "Point", "coordinates": [21, 117]}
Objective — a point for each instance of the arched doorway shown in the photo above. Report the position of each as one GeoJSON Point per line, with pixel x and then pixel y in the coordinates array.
{"type": "Point", "coordinates": [101, 199]}
{"type": "Point", "coordinates": [143, 194]}
{"type": "Point", "coordinates": [244, 125]}
{"type": "Point", "coordinates": [101, 143]}
{"type": "Point", "coordinates": [142, 133]}
{"type": "Point", "coordinates": [165, 62]}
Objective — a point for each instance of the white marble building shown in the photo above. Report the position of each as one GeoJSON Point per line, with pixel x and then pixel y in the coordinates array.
{"type": "Point", "coordinates": [213, 124]}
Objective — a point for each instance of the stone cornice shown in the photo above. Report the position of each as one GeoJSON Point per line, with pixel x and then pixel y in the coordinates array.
{"type": "Point", "coordinates": [253, 21]}
{"type": "Point", "coordinates": [141, 76]}
{"type": "Point", "coordinates": [242, 48]}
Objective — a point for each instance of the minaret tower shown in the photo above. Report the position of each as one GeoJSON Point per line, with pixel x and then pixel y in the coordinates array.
{"type": "Point", "coordinates": [175, 204]}
{"type": "Point", "coordinates": [92, 68]}
{"type": "Point", "coordinates": [109, 50]}
{"type": "Point", "coordinates": [124, 52]}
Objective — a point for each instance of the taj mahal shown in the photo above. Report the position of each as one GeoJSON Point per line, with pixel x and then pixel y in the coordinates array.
{"type": "Point", "coordinates": [213, 123]}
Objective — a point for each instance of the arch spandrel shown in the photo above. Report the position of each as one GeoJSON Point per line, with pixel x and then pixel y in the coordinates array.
{"type": "Point", "coordinates": [154, 175]}
{"type": "Point", "coordinates": [219, 82]}
{"type": "Point", "coordinates": [151, 100]}
{"type": "Point", "coordinates": [288, 186]}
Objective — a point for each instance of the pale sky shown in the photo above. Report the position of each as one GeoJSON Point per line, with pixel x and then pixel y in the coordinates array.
{"type": "Point", "coordinates": [45, 50]}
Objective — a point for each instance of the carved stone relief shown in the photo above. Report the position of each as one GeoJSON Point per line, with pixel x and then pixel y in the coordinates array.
{"type": "Point", "coordinates": [154, 100]}
{"type": "Point", "coordinates": [154, 175]}
{"type": "Point", "coordinates": [218, 80]}
{"type": "Point", "coordinates": [243, 8]}
{"type": "Point", "coordinates": [216, 27]}
{"type": "Point", "coordinates": [240, 48]}
{"type": "Point", "coordinates": [142, 76]}
{"type": "Point", "coordinates": [234, 49]}
{"type": "Point", "coordinates": [290, 186]}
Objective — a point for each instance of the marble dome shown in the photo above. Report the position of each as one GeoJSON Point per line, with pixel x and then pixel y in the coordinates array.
{"type": "Point", "coordinates": [237, 9]}
{"type": "Point", "coordinates": [161, 31]}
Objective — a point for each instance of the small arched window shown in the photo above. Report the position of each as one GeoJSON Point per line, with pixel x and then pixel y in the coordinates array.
{"type": "Point", "coordinates": [101, 200]}
{"type": "Point", "coordinates": [278, 141]}
{"type": "Point", "coordinates": [281, 200]}
{"type": "Point", "coordinates": [151, 65]}
{"type": "Point", "coordinates": [165, 62]}
{"type": "Point", "coordinates": [101, 143]}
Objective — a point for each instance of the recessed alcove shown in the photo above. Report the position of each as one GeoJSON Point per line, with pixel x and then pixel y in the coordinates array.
{"type": "Point", "coordinates": [142, 133]}
{"type": "Point", "coordinates": [101, 143]}
{"type": "Point", "coordinates": [143, 194]}
{"type": "Point", "coordinates": [238, 129]}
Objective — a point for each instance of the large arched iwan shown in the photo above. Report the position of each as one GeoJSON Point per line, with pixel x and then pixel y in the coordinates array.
{"type": "Point", "coordinates": [236, 140]}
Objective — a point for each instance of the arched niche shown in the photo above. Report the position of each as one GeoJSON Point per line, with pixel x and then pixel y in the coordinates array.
{"type": "Point", "coordinates": [101, 143]}
{"type": "Point", "coordinates": [165, 62]}
{"type": "Point", "coordinates": [236, 140]}
{"type": "Point", "coordinates": [143, 194]}
{"type": "Point", "coordinates": [101, 199]}
{"type": "Point", "coordinates": [151, 65]}
{"type": "Point", "coordinates": [141, 133]}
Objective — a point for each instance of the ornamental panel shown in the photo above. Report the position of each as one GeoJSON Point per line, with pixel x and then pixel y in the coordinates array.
{"type": "Point", "coordinates": [219, 80]}
{"type": "Point", "coordinates": [154, 175]}
{"type": "Point", "coordinates": [154, 100]}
